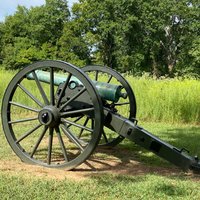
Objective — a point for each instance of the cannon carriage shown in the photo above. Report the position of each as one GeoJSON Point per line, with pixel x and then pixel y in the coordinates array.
{"type": "Point", "coordinates": [55, 115]}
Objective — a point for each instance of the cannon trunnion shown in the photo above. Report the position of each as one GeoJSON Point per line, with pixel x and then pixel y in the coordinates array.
{"type": "Point", "coordinates": [55, 115]}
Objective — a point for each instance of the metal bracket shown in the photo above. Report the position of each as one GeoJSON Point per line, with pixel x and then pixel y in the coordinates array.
{"type": "Point", "coordinates": [182, 150]}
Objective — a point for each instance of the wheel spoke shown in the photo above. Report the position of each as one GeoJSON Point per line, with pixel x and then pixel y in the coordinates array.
{"type": "Point", "coordinates": [96, 75]}
{"type": "Point", "coordinates": [121, 104]}
{"type": "Point", "coordinates": [75, 121]}
{"type": "Point", "coordinates": [46, 101]}
{"type": "Point", "coordinates": [62, 144]}
{"type": "Point", "coordinates": [28, 133]}
{"type": "Point", "coordinates": [73, 98]}
{"type": "Point", "coordinates": [72, 137]}
{"type": "Point", "coordinates": [77, 125]}
{"type": "Point", "coordinates": [63, 90]}
{"type": "Point", "coordinates": [52, 99]}
{"type": "Point", "coordinates": [105, 137]}
{"type": "Point", "coordinates": [109, 79]}
{"type": "Point", "coordinates": [85, 110]}
{"type": "Point", "coordinates": [50, 145]}
{"type": "Point", "coordinates": [23, 106]}
{"type": "Point", "coordinates": [23, 120]}
{"type": "Point", "coordinates": [92, 123]}
{"type": "Point", "coordinates": [85, 124]}
{"type": "Point", "coordinates": [30, 95]}
{"type": "Point", "coordinates": [39, 141]}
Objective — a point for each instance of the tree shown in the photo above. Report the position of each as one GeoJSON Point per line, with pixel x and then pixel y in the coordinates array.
{"type": "Point", "coordinates": [169, 28]}
{"type": "Point", "coordinates": [154, 36]}
{"type": "Point", "coordinates": [99, 25]}
{"type": "Point", "coordinates": [189, 37]}
{"type": "Point", "coordinates": [72, 45]}
{"type": "Point", "coordinates": [194, 53]}
{"type": "Point", "coordinates": [14, 36]}
{"type": "Point", "coordinates": [160, 37]}
{"type": "Point", "coordinates": [32, 34]}
{"type": "Point", "coordinates": [47, 21]}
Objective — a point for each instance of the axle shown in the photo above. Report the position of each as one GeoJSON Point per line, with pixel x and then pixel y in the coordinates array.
{"type": "Point", "coordinates": [140, 136]}
{"type": "Point", "coordinates": [107, 91]}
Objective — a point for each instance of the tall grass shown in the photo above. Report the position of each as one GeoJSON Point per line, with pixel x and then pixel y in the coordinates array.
{"type": "Point", "coordinates": [168, 100]}
{"type": "Point", "coordinates": [5, 77]}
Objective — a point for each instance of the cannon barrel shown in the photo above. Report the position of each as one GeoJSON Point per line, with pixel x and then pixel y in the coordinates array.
{"type": "Point", "coordinates": [107, 91]}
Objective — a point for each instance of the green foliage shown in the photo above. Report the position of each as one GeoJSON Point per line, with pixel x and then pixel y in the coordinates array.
{"type": "Point", "coordinates": [159, 37]}
{"type": "Point", "coordinates": [47, 22]}
{"type": "Point", "coordinates": [194, 52]}
{"type": "Point", "coordinates": [153, 36]}
{"type": "Point", "coordinates": [21, 53]}
{"type": "Point", "coordinates": [31, 35]}
{"type": "Point", "coordinates": [72, 47]}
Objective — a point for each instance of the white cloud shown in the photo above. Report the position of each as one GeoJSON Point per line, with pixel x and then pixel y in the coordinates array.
{"type": "Point", "coordinates": [8, 7]}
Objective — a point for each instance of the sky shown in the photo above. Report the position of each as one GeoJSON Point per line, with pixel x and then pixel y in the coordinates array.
{"type": "Point", "coordinates": [8, 7]}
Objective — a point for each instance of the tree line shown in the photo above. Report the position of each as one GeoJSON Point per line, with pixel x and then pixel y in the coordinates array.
{"type": "Point", "coordinates": [158, 36]}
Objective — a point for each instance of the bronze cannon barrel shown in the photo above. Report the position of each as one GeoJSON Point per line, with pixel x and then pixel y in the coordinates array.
{"type": "Point", "coordinates": [107, 91]}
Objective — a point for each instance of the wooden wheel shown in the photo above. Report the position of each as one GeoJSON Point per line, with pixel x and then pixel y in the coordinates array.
{"type": "Point", "coordinates": [124, 107]}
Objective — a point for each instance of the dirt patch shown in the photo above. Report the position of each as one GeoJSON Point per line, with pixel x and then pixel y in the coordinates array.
{"type": "Point", "coordinates": [85, 170]}
{"type": "Point", "coordinates": [96, 165]}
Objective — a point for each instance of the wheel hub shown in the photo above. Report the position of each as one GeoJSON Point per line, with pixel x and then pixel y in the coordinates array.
{"type": "Point", "coordinates": [49, 116]}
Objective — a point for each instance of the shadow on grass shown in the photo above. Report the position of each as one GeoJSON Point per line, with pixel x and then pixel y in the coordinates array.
{"type": "Point", "coordinates": [128, 158]}
{"type": "Point", "coordinates": [188, 138]}
{"type": "Point", "coordinates": [147, 173]}
{"type": "Point", "coordinates": [170, 190]}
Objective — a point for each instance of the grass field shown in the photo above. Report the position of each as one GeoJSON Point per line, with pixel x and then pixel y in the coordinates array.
{"type": "Point", "coordinates": [168, 108]}
{"type": "Point", "coordinates": [100, 187]}
{"type": "Point", "coordinates": [161, 181]}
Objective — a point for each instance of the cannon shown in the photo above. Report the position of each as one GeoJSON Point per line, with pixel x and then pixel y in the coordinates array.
{"type": "Point", "coordinates": [55, 114]}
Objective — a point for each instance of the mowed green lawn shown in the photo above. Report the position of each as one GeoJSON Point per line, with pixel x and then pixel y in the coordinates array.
{"type": "Point", "coordinates": [161, 181]}
{"type": "Point", "coordinates": [153, 177]}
